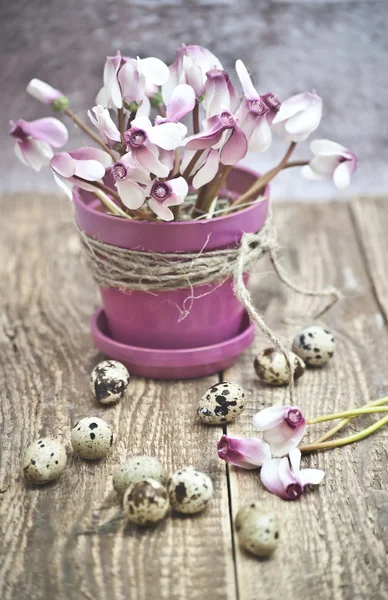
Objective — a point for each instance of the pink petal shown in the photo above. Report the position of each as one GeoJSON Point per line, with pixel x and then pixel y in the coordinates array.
{"type": "Point", "coordinates": [42, 91]}
{"type": "Point", "coordinates": [47, 130]}
{"type": "Point", "coordinates": [249, 91]}
{"type": "Point", "coordinates": [154, 70]}
{"type": "Point", "coordinates": [131, 194]}
{"type": "Point", "coordinates": [142, 122]}
{"type": "Point", "coordinates": [287, 477]}
{"type": "Point", "coordinates": [35, 153]}
{"type": "Point", "coordinates": [150, 162]}
{"type": "Point", "coordinates": [112, 65]}
{"type": "Point", "coordinates": [311, 476]}
{"type": "Point", "coordinates": [63, 164]}
{"type": "Point", "coordinates": [292, 106]}
{"type": "Point", "coordinates": [166, 157]}
{"type": "Point", "coordinates": [294, 456]}
{"type": "Point", "coordinates": [235, 148]}
{"type": "Point", "coordinates": [182, 102]}
{"type": "Point", "coordinates": [328, 148]}
{"type": "Point", "coordinates": [179, 187]}
{"type": "Point", "coordinates": [87, 153]}
{"type": "Point", "coordinates": [91, 170]}
{"type": "Point", "coordinates": [168, 135]}
{"type": "Point", "coordinates": [270, 417]}
{"type": "Point", "coordinates": [270, 478]}
{"type": "Point", "coordinates": [248, 453]}
{"type": "Point", "coordinates": [159, 209]}
{"type": "Point", "coordinates": [341, 175]}
{"type": "Point", "coordinates": [61, 184]}
{"type": "Point", "coordinates": [302, 124]}
{"type": "Point", "coordinates": [171, 82]}
{"type": "Point", "coordinates": [132, 84]}
{"type": "Point", "coordinates": [208, 171]}
{"type": "Point", "coordinates": [19, 154]}
{"type": "Point", "coordinates": [194, 79]}
{"type": "Point", "coordinates": [144, 108]}
{"type": "Point", "coordinates": [204, 140]}
{"type": "Point", "coordinates": [283, 438]}
{"type": "Point", "coordinates": [324, 166]}
{"type": "Point", "coordinates": [261, 137]}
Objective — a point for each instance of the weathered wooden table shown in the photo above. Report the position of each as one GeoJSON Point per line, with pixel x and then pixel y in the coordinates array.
{"type": "Point", "coordinates": [69, 540]}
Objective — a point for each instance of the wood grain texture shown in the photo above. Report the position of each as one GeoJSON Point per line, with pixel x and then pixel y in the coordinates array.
{"type": "Point", "coordinates": [69, 540]}
{"type": "Point", "coordinates": [334, 541]}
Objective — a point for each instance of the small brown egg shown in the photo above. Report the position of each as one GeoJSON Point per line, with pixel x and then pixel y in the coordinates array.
{"type": "Point", "coordinates": [146, 502]}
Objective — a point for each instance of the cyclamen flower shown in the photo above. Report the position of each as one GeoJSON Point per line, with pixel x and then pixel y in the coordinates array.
{"type": "Point", "coordinates": [143, 140]}
{"type": "Point", "coordinates": [256, 112]}
{"type": "Point", "coordinates": [128, 176]}
{"type": "Point", "coordinates": [331, 161]}
{"type": "Point", "coordinates": [191, 65]}
{"type": "Point", "coordinates": [43, 92]}
{"type": "Point", "coordinates": [136, 76]}
{"type": "Point", "coordinates": [105, 125]}
{"type": "Point", "coordinates": [77, 165]}
{"type": "Point", "coordinates": [299, 116]}
{"type": "Point", "coordinates": [35, 140]}
{"type": "Point", "coordinates": [285, 478]}
{"type": "Point", "coordinates": [206, 167]}
{"type": "Point", "coordinates": [234, 142]}
{"type": "Point", "coordinates": [219, 93]}
{"type": "Point", "coordinates": [248, 453]}
{"type": "Point", "coordinates": [283, 427]}
{"type": "Point", "coordinates": [166, 193]}
{"type": "Point", "coordinates": [182, 101]}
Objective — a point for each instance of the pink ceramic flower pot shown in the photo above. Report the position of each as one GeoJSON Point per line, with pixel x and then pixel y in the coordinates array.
{"type": "Point", "coordinates": [153, 320]}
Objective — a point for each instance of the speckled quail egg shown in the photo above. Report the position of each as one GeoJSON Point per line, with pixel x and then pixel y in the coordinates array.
{"type": "Point", "coordinates": [108, 381]}
{"type": "Point", "coordinates": [44, 461]}
{"type": "Point", "coordinates": [91, 438]}
{"type": "Point", "coordinates": [271, 367]}
{"type": "Point", "coordinates": [146, 502]}
{"type": "Point", "coordinates": [138, 468]}
{"type": "Point", "coordinates": [222, 403]}
{"type": "Point", "coordinates": [190, 490]}
{"type": "Point", "coordinates": [257, 530]}
{"type": "Point", "coordinates": [315, 345]}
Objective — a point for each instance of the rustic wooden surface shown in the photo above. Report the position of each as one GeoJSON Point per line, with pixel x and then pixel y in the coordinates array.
{"type": "Point", "coordinates": [69, 540]}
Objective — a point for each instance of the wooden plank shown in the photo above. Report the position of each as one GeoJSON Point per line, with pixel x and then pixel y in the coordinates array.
{"type": "Point", "coordinates": [333, 541]}
{"type": "Point", "coordinates": [68, 540]}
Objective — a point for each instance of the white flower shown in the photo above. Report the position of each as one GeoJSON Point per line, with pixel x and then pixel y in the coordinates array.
{"type": "Point", "coordinates": [331, 161]}
{"type": "Point", "coordinates": [299, 116]}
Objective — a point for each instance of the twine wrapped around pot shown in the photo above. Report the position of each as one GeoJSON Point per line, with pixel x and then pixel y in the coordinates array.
{"type": "Point", "coordinates": [154, 272]}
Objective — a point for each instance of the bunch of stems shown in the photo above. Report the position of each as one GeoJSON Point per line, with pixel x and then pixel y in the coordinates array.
{"type": "Point", "coordinates": [374, 407]}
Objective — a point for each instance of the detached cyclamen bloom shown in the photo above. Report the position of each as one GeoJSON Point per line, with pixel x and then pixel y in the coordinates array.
{"type": "Point", "coordinates": [35, 140]}
{"type": "Point", "coordinates": [166, 193]}
{"type": "Point", "coordinates": [283, 427]}
{"type": "Point", "coordinates": [331, 161]}
{"type": "Point", "coordinates": [191, 65]}
{"type": "Point", "coordinates": [82, 164]}
{"type": "Point", "coordinates": [143, 141]}
{"type": "Point", "coordinates": [105, 125]}
{"type": "Point", "coordinates": [45, 93]}
{"type": "Point", "coordinates": [256, 112]}
{"type": "Point", "coordinates": [283, 476]}
{"type": "Point", "coordinates": [248, 453]}
{"type": "Point", "coordinates": [299, 116]}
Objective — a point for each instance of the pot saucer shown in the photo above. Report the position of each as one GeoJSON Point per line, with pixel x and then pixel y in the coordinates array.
{"type": "Point", "coordinates": [186, 363]}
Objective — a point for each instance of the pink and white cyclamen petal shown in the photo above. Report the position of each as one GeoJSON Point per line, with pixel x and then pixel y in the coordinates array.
{"type": "Point", "coordinates": [299, 116]}
{"type": "Point", "coordinates": [220, 93]}
{"type": "Point", "coordinates": [283, 427]}
{"type": "Point", "coordinates": [284, 478]}
{"type": "Point", "coordinates": [42, 91]}
{"type": "Point", "coordinates": [35, 140]}
{"type": "Point", "coordinates": [105, 125]}
{"type": "Point", "coordinates": [86, 163]}
{"type": "Point", "coordinates": [128, 176]}
{"type": "Point", "coordinates": [182, 102]}
{"type": "Point", "coordinates": [110, 94]}
{"type": "Point", "coordinates": [248, 453]}
{"type": "Point", "coordinates": [191, 65]}
{"type": "Point", "coordinates": [166, 193]}
{"type": "Point", "coordinates": [331, 161]}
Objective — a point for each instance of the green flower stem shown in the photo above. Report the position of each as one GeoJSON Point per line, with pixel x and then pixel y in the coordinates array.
{"type": "Point", "coordinates": [346, 440]}
{"type": "Point", "coordinates": [346, 413]}
{"type": "Point", "coordinates": [344, 422]}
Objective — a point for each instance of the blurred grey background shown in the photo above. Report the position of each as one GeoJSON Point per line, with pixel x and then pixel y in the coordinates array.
{"type": "Point", "coordinates": [338, 47]}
